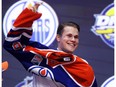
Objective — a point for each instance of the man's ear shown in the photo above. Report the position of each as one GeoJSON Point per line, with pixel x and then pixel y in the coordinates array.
{"type": "Point", "coordinates": [58, 37]}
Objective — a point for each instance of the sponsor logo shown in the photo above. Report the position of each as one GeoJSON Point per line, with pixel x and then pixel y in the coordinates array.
{"type": "Point", "coordinates": [44, 29]}
{"type": "Point", "coordinates": [104, 25]}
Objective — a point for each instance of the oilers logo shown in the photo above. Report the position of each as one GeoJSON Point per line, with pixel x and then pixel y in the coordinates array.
{"type": "Point", "coordinates": [37, 70]}
{"type": "Point", "coordinates": [44, 29]}
{"type": "Point", "coordinates": [104, 25]}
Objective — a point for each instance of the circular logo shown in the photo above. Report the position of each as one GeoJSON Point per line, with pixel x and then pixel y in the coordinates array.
{"type": "Point", "coordinates": [42, 71]}
{"type": "Point", "coordinates": [104, 25]}
{"type": "Point", "coordinates": [44, 29]}
{"type": "Point", "coordinates": [110, 82]}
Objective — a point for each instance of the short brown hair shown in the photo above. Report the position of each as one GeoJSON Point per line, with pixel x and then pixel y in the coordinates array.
{"type": "Point", "coordinates": [61, 27]}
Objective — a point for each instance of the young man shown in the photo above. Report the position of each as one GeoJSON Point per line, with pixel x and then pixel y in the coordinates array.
{"type": "Point", "coordinates": [50, 68]}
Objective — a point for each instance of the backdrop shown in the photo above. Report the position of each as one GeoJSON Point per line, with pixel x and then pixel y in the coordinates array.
{"type": "Point", "coordinates": [91, 47]}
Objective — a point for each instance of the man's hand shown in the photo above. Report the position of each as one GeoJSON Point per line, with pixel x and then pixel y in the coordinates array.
{"type": "Point", "coordinates": [35, 7]}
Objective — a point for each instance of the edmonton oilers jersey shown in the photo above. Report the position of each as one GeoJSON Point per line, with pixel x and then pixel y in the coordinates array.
{"type": "Point", "coordinates": [78, 73]}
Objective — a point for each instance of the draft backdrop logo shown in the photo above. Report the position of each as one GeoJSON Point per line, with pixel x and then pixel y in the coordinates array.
{"type": "Point", "coordinates": [44, 29]}
{"type": "Point", "coordinates": [104, 25]}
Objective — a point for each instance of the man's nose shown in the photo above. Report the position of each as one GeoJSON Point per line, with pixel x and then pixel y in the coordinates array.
{"type": "Point", "coordinates": [73, 38]}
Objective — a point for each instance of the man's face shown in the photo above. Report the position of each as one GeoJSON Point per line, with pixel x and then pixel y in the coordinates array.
{"type": "Point", "coordinates": [69, 40]}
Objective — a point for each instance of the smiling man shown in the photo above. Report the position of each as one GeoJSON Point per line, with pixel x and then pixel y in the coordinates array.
{"type": "Point", "coordinates": [68, 37]}
{"type": "Point", "coordinates": [50, 68]}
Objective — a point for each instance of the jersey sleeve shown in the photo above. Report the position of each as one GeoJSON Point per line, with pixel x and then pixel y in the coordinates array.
{"type": "Point", "coordinates": [19, 36]}
{"type": "Point", "coordinates": [81, 72]}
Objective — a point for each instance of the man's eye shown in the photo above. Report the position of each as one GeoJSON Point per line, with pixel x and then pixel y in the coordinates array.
{"type": "Point", "coordinates": [69, 35]}
{"type": "Point", "coordinates": [76, 36]}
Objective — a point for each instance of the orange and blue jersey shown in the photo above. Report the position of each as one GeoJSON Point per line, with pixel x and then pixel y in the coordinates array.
{"type": "Point", "coordinates": [68, 69]}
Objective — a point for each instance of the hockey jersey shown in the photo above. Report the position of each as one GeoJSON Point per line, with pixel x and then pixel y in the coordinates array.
{"type": "Point", "coordinates": [56, 67]}
{"type": "Point", "coordinates": [77, 68]}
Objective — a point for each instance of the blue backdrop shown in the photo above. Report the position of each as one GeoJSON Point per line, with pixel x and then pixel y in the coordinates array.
{"type": "Point", "coordinates": [91, 47]}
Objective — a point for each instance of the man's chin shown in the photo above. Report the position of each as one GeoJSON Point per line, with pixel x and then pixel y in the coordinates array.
{"type": "Point", "coordinates": [70, 51]}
